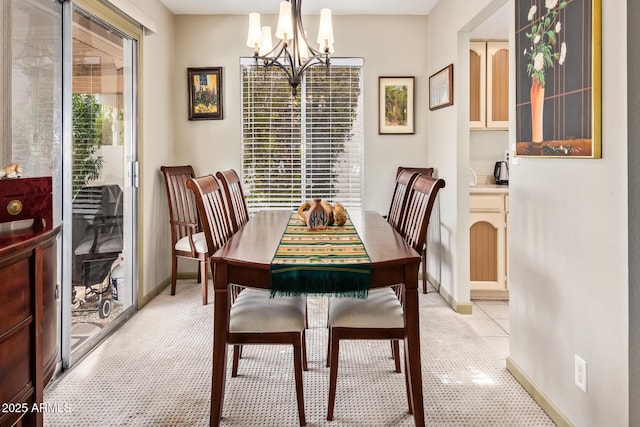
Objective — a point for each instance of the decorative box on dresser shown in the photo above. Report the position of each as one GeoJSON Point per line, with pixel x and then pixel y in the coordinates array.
{"type": "Point", "coordinates": [28, 321]}
{"type": "Point", "coordinates": [488, 211]}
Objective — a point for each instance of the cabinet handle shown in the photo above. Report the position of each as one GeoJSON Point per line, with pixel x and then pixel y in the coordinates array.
{"type": "Point", "coordinates": [14, 207]}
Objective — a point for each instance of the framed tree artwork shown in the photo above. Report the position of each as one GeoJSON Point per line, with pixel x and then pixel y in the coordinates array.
{"type": "Point", "coordinates": [205, 93]}
{"type": "Point", "coordinates": [441, 88]}
{"type": "Point", "coordinates": [558, 78]}
{"type": "Point", "coordinates": [396, 105]}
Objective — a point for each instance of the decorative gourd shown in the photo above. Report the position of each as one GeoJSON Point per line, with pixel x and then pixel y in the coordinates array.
{"type": "Point", "coordinates": [339, 214]}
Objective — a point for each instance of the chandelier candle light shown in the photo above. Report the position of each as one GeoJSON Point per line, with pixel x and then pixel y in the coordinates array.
{"type": "Point", "coordinates": [293, 53]}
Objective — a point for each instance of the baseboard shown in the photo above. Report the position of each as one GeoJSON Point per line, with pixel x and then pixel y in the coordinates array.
{"type": "Point", "coordinates": [490, 295]}
{"type": "Point", "coordinates": [547, 406]}
{"type": "Point", "coordinates": [143, 300]}
{"type": "Point", "coordinates": [462, 308]}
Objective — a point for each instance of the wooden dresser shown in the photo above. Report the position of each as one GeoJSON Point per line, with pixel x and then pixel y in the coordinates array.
{"type": "Point", "coordinates": [28, 316]}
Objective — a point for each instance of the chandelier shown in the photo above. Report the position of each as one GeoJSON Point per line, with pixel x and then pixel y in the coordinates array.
{"type": "Point", "coordinates": [293, 53]}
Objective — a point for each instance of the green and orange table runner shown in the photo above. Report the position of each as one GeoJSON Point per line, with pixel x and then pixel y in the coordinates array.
{"type": "Point", "coordinates": [332, 261]}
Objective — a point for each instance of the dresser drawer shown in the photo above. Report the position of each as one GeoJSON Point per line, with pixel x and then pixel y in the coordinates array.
{"type": "Point", "coordinates": [486, 203]}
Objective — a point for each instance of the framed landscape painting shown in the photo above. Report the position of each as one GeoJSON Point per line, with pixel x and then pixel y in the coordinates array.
{"type": "Point", "coordinates": [558, 78]}
{"type": "Point", "coordinates": [396, 105]}
{"type": "Point", "coordinates": [205, 93]}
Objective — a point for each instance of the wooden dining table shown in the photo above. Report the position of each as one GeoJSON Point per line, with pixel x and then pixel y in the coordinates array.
{"type": "Point", "coordinates": [246, 259]}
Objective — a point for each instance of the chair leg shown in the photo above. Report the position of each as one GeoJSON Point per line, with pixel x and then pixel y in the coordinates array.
{"type": "Point", "coordinates": [396, 354]}
{"type": "Point", "coordinates": [297, 370]}
{"type": "Point", "coordinates": [303, 344]}
{"type": "Point", "coordinates": [237, 350]}
{"type": "Point", "coordinates": [203, 279]}
{"type": "Point", "coordinates": [406, 382]}
{"type": "Point", "coordinates": [328, 347]}
{"type": "Point", "coordinates": [333, 374]}
{"type": "Point", "coordinates": [424, 270]}
{"type": "Point", "coordinates": [174, 274]}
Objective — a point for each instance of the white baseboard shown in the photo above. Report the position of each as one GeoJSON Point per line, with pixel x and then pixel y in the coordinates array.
{"type": "Point", "coordinates": [462, 308]}
{"type": "Point", "coordinates": [543, 401]}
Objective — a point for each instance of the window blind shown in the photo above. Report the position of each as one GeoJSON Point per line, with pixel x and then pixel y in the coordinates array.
{"type": "Point", "coordinates": [310, 146]}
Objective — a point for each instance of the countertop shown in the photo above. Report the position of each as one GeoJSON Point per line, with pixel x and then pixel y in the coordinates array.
{"type": "Point", "coordinates": [489, 188]}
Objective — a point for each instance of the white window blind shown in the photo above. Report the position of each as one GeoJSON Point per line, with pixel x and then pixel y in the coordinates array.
{"type": "Point", "coordinates": [311, 146]}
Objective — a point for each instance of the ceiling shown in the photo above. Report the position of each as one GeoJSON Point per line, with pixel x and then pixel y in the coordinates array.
{"type": "Point", "coordinates": [494, 28]}
{"type": "Point", "coordinates": [338, 7]}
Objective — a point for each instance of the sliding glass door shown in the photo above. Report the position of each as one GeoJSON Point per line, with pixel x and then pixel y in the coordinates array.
{"type": "Point", "coordinates": [102, 171]}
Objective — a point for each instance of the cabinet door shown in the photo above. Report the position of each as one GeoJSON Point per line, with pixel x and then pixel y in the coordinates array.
{"type": "Point", "coordinates": [498, 85]}
{"type": "Point", "coordinates": [488, 251]}
{"type": "Point", "coordinates": [477, 86]}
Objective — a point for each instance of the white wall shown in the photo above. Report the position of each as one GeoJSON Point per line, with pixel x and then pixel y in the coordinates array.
{"type": "Point", "coordinates": [157, 144]}
{"type": "Point", "coordinates": [569, 259]}
{"type": "Point", "coordinates": [633, 61]}
{"type": "Point", "coordinates": [486, 147]}
{"type": "Point", "coordinates": [383, 41]}
{"type": "Point", "coordinates": [448, 135]}
{"type": "Point", "coordinates": [567, 235]}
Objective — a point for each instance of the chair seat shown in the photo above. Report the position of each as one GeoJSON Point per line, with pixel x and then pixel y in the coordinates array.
{"type": "Point", "coordinates": [199, 241]}
{"type": "Point", "coordinates": [381, 309]}
{"type": "Point", "coordinates": [254, 312]}
{"type": "Point", "coordinates": [105, 244]}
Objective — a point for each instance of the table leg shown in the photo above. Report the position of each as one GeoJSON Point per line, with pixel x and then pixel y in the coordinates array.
{"type": "Point", "coordinates": [412, 343]}
{"type": "Point", "coordinates": [220, 327]}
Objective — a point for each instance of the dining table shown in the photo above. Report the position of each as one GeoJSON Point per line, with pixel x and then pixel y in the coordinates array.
{"type": "Point", "coordinates": [245, 259]}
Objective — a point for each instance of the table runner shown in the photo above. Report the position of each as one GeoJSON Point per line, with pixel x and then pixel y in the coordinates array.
{"type": "Point", "coordinates": [332, 261]}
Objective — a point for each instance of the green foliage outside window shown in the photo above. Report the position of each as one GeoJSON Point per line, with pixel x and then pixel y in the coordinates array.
{"type": "Point", "coordinates": [87, 137]}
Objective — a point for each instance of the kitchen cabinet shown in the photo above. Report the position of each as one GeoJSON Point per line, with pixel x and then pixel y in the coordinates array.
{"type": "Point", "coordinates": [488, 85]}
{"type": "Point", "coordinates": [488, 242]}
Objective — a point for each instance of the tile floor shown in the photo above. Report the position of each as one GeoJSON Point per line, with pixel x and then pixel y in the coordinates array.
{"type": "Point", "coordinates": [490, 319]}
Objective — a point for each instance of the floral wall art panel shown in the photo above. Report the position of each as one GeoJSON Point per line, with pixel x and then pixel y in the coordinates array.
{"type": "Point", "coordinates": [558, 78]}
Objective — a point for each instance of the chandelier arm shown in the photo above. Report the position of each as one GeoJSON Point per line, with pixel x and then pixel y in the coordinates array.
{"type": "Point", "coordinates": [288, 54]}
{"type": "Point", "coordinates": [314, 61]}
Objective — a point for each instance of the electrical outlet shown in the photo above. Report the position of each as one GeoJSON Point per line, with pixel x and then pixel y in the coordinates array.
{"type": "Point", "coordinates": [506, 156]}
{"type": "Point", "coordinates": [580, 373]}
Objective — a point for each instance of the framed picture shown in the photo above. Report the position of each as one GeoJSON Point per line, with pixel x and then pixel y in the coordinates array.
{"type": "Point", "coordinates": [558, 78]}
{"type": "Point", "coordinates": [396, 105]}
{"type": "Point", "coordinates": [205, 93]}
{"type": "Point", "coordinates": [441, 88]}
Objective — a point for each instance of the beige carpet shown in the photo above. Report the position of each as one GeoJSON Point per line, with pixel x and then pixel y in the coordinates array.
{"type": "Point", "coordinates": [156, 371]}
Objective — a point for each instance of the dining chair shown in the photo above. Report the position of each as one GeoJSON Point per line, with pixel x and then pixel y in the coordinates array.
{"type": "Point", "coordinates": [404, 180]}
{"type": "Point", "coordinates": [236, 203]}
{"type": "Point", "coordinates": [427, 172]}
{"type": "Point", "coordinates": [187, 238]}
{"type": "Point", "coordinates": [238, 216]}
{"type": "Point", "coordinates": [254, 317]}
{"type": "Point", "coordinates": [381, 315]}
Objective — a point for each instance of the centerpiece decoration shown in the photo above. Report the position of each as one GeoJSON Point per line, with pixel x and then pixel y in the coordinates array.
{"type": "Point", "coordinates": [319, 214]}
{"type": "Point", "coordinates": [543, 52]}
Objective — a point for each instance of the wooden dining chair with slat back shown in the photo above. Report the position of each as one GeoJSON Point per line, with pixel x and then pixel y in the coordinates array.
{"type": "Point", "coordinates": [428, 172]}
{"type": "Point", "coordinates": [238, 216]}
{"type": "Point", "coordinates": [404, 180]}
{"type": "Point", "coordinates": [381, 315]}
{"type": "Point", "coordinates": [187, 239]}
{"type": "Point", "coordinates": [254, 317]}
{"type": "Point", "coordinates": [236, 203]}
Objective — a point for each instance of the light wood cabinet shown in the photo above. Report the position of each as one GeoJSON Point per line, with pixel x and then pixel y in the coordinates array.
{"type": "Point", "coordinates": [488, 85]}
{"type": "Point", "coordinates": [488, 251]}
